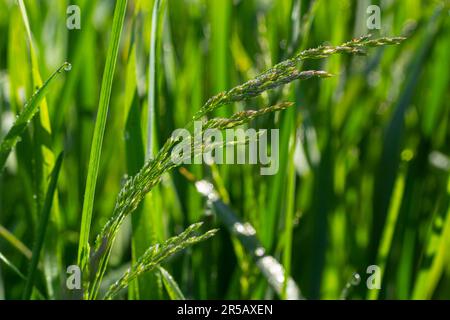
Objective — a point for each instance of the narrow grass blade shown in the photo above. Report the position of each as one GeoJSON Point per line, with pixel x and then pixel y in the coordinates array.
{"type": "Point", "coordinates": [390, 156]}
{"type": "Point", "coordinates": [12, 266]}
{"type": "Point", "coordinates": [135, 153]}
{"type": "Point", "coordinates": [43, 222]}
{"type": "Point", "coordinates": [289, 215]}
{"type": "Point", "coordinates": [148, 215]}
{"type": "Point", "coordinates": [24, 118]}
{"type": "Point", "coordinates": [16, 270]}
{"type": "Point", "coordinates": [246, 234]}
{"type": "Point", "coordinates": [44, 161]}
{"type": "Point", "coordinates": [388, 231]}
{"type": "Point", "coordinates": [155, 41]}
{"type": "Point", "coordinates": [438, 251]}
{"type": "Point", "coordinates": [220, 13]}
{"type": "Point", "coordinates": [172, 288]}
{"type": "Point", "coordinates": [100, 124]}
{"type": "Point", "coordinates": [149, 176]}
{"type": "Point", "coordinates": [15, 242]}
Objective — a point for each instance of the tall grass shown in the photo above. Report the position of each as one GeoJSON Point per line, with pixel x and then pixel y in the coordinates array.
{"type": "Point", "coordinates": [364, 153]}
{"type": "Point", "coordinates": [100, 124]}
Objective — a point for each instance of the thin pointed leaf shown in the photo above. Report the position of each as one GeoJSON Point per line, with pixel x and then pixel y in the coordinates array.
{"type": "Point", "coordinates": [43, 222]}
{"type": "Point", "coordinates": [172, 288]}
{"type": "Point", "coordinates": [23, 120]}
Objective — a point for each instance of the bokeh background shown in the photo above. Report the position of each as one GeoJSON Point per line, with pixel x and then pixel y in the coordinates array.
{"type": "Point", "coordinates": [364, 156]}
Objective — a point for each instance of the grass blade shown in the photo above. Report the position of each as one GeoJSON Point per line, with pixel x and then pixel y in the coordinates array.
{"type": "Point", "coordinates": [12, 266]}
{"type": "Point", "coordinates": [15, 242]}
{"type": "Point", "coordinates": [100, 124]}
{"type": "Point", "coordinates": [389, 229]}
{"type": "Point", "coordinates": [44, 219]}
{"type": "Point", "coordinates": [172, 288]}
{"type": "Point", "coordinates": [28, 112]}
{"type": "Point", "coordinates": [148, 215]}
{"type": "Point", "coordinates": [246, 234]}
{"type": "Point", "coordinates": [44, 161]}
{"type": "Point", "coordinates": [155, 41]}
{"type": "Point", "coordinates": [289, 218]}
{"type": "Point", "coordinates": [149, 176]}
{"type": "Point", "coordinates": [438, 249]}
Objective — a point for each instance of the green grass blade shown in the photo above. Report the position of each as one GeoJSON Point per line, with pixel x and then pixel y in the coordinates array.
{"type": "Point", "coordinates": [148, 216]}
{"type": "Point", "coordinates": [172, 288]}
{"type": "Point", "coordinates": [16, 270]}
{"type": "Point", "coordinates": [100, 124]}
{"type": "Point", "coordinates": [289, 218]}
{"type": "Point", "coordinates": [149, 176]}
{"type": "Point", "coordinates": [24, 118]}
{"type": "Point", "coordinates": [12, 266]}
{"type": "Point", "coordinates": [438, 249]}
{"type": "Point", "coordinates": [44, 160]}
{"type": "Point", "coordinates": [43, 222]}
{"type": "Point", "coordinates": [272, 270]}
{"type": "Point", "coordinates": [390, 156]}
{"type": "Point", "coordinates": [134, 146]}
{"type": "Point", "coordinates": [155, 42]}
{"type": "Point", "coordinates": [15, 242]}
{"type": "Point", "coordinates": [388, 231]}
{"type": "Point", "coordinates": [220, 13]}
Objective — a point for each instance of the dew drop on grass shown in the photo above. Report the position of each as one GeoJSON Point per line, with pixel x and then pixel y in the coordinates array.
{"type": "Point", "coordinates": [67, 66]}
{"type": "Point", "coordinates": [356, 279]}
{"type": "Point", "coordinates": [259, 252]}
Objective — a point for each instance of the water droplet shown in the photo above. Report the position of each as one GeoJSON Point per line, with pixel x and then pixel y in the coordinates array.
{"type": "Point", "coordinates": [259, 252]}
{"type": "Point", "coordinates": [356, 279]}
{"type": "Point", "coordinates": [67, 66]}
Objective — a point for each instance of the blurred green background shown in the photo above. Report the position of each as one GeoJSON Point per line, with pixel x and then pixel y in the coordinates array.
{"type": "Point", "coordinates": [364, 156]}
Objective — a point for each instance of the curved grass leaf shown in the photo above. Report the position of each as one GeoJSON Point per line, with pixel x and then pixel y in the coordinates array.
{"type": "Point", "coordinates": [44, 161]}
{"type": "Point", "coordinates": [172, 288]}
{"type": "Point", "coordinates": [43, 222]}
{"type": "Point", "coordinates": [389, 229]}
{"type": "Point", "coordinates": [155, 40]}
{"type": "Point", "coordinates": [272, 270]}
{"type": "Point", "coordinates": [99, 130]}
{"type": "Point", "coordinates": [23, 119]}
{"type": "Point", "coordinates": [15, 242]}
{"type": "Point", "coordinates": [12, 266]}
{"type": "Point", "coordinates": [135, 189]}
{"type": "Point", "coordinates": [438, 252]}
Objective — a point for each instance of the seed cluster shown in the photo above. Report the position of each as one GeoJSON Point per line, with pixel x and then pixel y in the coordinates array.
{"type": "Point", "coordinates": [135, 189]}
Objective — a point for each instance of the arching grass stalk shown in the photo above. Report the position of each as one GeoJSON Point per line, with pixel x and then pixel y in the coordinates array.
{"type": "Point", "coordinates": [158, 253]}
{"type": "Point", "coordinates": [100, 124]}
{"type": "Point", "coordinates": [149, 176]}
{"type": "Point", "coordinates": [23, 119]}
{"type": "Point", "coordinates": [286, 71]}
